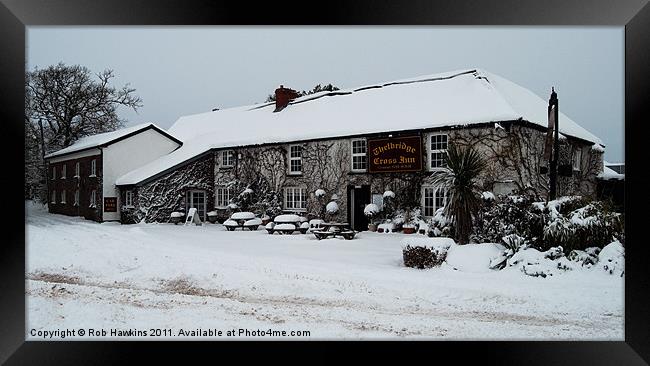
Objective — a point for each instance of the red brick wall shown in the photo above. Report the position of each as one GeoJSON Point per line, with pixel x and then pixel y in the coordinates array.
{"type": "Point", "coordinates": [85, 184]}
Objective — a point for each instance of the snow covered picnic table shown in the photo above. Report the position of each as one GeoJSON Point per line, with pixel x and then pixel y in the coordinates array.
{"type": "Point", "coordinates": [333, 229]}
{"type": "Point", "coordinates": [243, 220]}
{"type": "Point", "coordinates": [287, 224]}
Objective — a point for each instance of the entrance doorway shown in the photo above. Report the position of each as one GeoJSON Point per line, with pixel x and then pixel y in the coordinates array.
{"type": "Point", "coordinates": [358, 198]}
{"type": "Point", "coordinates": [197, 199]}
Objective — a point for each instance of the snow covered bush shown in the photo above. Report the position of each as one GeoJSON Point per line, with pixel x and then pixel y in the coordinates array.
{"type": "Point", "coordinates": [439, 225]}
{"type": "Point", "coordinates": [423, 257]}
{"type": "Point", "coordinates": [582, 257]}
{"type": "Point", "coordinates": [576, 225]}
{"type": "Point", "coordinates": [270, 205]}
{"type": "Point", "coordinates": [507, 215]}
{"type": "Point", "coordinates": [388, 200]}
{"type": "Point", "coordinates": [320, 198]}
{"type": "Point", "coordinates": [612, 259]}
{"type": "Point", "coordinates": [571, 222]}
{"type": "Point", "coordinates": [424, 253]}
{"type": "Point", "coordinates": [371, 210]}
{"type": "Point", "coordinates": [332, 209]}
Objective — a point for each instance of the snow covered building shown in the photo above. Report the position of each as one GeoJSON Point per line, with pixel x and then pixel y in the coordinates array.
{"type": "Point", "coordinates": [82, 176]}
{"type": "Point", "coordinates": [355, 144]}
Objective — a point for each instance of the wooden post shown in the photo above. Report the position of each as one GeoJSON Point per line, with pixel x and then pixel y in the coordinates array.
{"type": "Point", "coordinates": [553, 113]}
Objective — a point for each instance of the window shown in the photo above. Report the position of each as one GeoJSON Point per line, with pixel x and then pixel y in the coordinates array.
{"type": "Point", "coordinates": [378, 199]}
{"type": "Point", "coordinates": [433, 198]}
{"type": "Point", "coordinates": [295, 159]}
{"type": "Point", "coordinates": [63, 171]}
{"type": "Point", "coordinates": [438, 149]}
{"type": "Point", "coordinates": [128, 198]}
{"type": "Point", "coordinates": [295, 198]}
{"type": "Point", "coordinates": [577, 158]}
{"type": "Point", "coordinates": [76, 197]}
{"type": "Point", "coordinates": [63, 196]}
{"type": "Point", "coordinates": [222, 196]}
{"type": "Point", "coordinates": [93, 198]}
{"type": "Point", "coordinates": [93, 168]}
{"type": "Point", "coordinates": [227, 159]}
{"type": "Point", "coordinates": [53, 172]}
{"type": "Point", "coordinates": [359, 155]}
{"type": "Point", "coordinates": [76, 170]}
{"type": "Point", "coordinates": [53, 197]}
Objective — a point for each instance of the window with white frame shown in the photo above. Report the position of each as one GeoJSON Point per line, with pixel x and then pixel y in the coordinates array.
{"type": "Point", "coordinates": [53, 172]}
{"type": "Point", "coordinates": [437, 150]}
{"type": "Point", "coordinates": [295, 159]}
{"type": "Point", "coordinates": [359, 155]}
{"type": "Point", "coordinates": [295, 198]}
{"type": "Point", "coordinates": [63, 171]}
{"type": "Point", "coordinates": [227, 159]}
{"type": "Point", "coordinates": [128, 198]}
{"type": "Point", "coordinates": [76, 197]}
{"type": "Point", "coordinates": [93, 167]}
{"type": "Point", "coordinates": [93, 198]}
{"type": "Point", "coordinates": [53, 197]}
{"type": "Point", "coordinates": [63, 196]}
{"type": "Point", "coordinates": [222, 196]}
{"type": "Point", "coordinates": [577, 158]}
{"type": "Point", "coordinates": [433, 198]}
{"type": "Point", "coordinates": [76, 170]}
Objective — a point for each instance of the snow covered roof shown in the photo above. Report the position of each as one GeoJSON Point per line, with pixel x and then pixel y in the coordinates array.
{"type": "Point", "coordinates": [107, 138]}
{"type": "Point", "coordinates": [454, 98]}
{"type": "Point", "coordinates": [609, 173]}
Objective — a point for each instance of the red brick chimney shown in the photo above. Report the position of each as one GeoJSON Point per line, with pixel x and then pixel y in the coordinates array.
{"type": "Point", "coordinates": [283, 96]}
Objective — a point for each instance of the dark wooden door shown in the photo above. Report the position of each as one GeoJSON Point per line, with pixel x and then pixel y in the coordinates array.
{"type": "Point", "coordinates": [358, 198]}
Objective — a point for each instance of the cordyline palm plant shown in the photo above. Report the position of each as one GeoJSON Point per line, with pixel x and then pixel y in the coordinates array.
{"type": "Point", "coordinates": [459, 178]}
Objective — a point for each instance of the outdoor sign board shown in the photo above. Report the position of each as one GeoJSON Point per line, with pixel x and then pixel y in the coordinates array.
{"type": "Point", "coordinates": [397, 154]}
{"type": "Point", "coordinates": [110, 204]}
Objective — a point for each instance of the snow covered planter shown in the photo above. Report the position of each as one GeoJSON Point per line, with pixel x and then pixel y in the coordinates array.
{"type": "Point", "coordinates": [269, 227]}
{"type": "Point", "coordinates": [424, 252]}
{"type": "Point", "coordinates": [176, 217]}
{"type": "Point", "coordinates": [387, 227]}
{"type": "Point", "coordinates": [212, 217]}
{"type": "Point", "coordinates": [371, 210]}
{"type": "Point", "coordinates": [408, 229]}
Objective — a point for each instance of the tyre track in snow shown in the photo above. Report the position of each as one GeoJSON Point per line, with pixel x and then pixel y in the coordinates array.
{"type": "Point", "coordinates": [313, 309]}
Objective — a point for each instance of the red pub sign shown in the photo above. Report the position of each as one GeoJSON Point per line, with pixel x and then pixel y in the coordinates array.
{"type": "Point", "coordinates": [110, 204]}
{"type": "Point", "coordinates": [397, 154]}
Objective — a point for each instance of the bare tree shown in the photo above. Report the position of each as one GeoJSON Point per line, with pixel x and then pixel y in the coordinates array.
{"type": "Point", "coordinates": [65, 103]}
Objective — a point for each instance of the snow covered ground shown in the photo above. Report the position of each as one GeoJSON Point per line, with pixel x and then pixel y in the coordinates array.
{"type": "Point", "coordinates": [85, 275]}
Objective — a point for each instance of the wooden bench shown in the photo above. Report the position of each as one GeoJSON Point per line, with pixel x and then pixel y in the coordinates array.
{"type": "Point", "coordinates": [334, 229]}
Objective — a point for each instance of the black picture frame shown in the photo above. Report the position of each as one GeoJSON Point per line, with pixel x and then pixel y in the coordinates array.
{"type": "Point", "coordinates": [634, 15]}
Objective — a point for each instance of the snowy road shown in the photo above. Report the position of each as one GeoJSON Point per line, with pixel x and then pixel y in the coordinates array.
{"type": "Point", "coordinates": [81, 274]}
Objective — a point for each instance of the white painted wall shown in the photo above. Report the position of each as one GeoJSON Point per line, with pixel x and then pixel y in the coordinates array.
{"type": "Point", "coordinates": [131, 153]}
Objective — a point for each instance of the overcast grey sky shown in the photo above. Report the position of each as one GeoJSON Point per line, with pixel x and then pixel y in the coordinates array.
{"type": "Point", "coordinates": [186, 70]}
